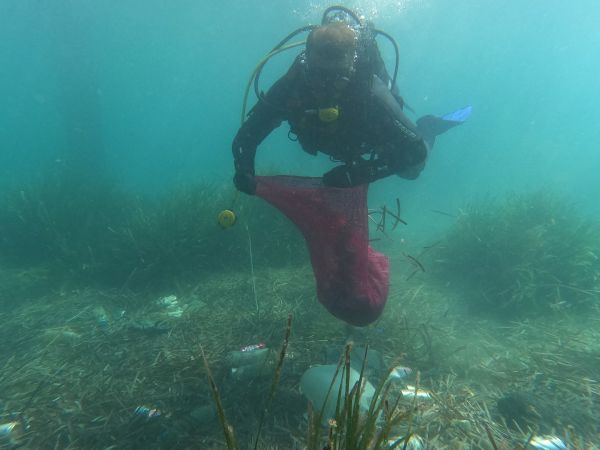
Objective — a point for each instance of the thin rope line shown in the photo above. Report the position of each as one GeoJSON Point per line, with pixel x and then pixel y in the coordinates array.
{"type": "Point", "coordinates": [252, 268]}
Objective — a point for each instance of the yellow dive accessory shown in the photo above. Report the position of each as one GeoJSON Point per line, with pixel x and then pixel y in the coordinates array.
{"type": "Point", "coordinates": [328, 115]}
{"type": "Point", "coordinates": [226, 218]}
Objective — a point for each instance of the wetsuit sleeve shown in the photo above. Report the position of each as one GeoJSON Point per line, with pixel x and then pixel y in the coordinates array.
{"type": "Point", "coordinates": [265, 116]}
{"type": "Point", "coordinates": [402, 151]}
{"type": "Point", "coordinates": [397, 147]}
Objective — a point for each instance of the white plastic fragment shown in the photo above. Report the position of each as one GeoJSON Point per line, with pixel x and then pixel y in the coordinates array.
{"type": "Point", "coordinates": [172, 306]}
{"type": "Point", "coordinates": [399, 373]}
{"type": "Point", "coordinates": [315, 384]}
{"type": "Point", "coordinates": [168, 301]}
{"type": "Point", "coordinates": [415, 442]}
{"type": "Point", "coordinates": [548, 443]}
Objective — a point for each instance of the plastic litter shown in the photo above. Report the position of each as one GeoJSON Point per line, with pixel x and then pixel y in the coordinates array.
{"type": "Point", "coordinates": [548, 443]}
{"type": "Point", "coordinates": [249, 348]}
{"type": "Point", "coordinates": [172, 306]}
{"type": "Point", "coordinates": [250, 361]}
{"type": "Point", "coordinates": [399, 373]}
{"type": "Point", "coordinates": [315, 382]}
{"type": "Point", "coordinates": [242, 357]}
{"type": "Point", "coordinates": [412, 391]}
{"type": "Point", "coordinates": [10, 434]}
{"type": "Point", "coordinates": [146, 412]}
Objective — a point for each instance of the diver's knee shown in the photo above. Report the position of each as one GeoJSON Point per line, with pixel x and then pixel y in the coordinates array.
{"type": "Point", "coordinates": [411, 172]}
{"type": "Point", "coordinates": [409, 163]}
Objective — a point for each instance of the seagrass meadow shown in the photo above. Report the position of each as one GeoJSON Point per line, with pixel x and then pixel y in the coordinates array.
{"type": "Point", "coordinates": [120, 313]}
{"type": "Point", "coordinates": [146, 304]}
{"type": "Point", "coordinates": [523, 255]}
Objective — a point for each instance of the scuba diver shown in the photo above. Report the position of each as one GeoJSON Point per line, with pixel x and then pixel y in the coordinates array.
{"type": "Point", "coordinates": [339, 99]}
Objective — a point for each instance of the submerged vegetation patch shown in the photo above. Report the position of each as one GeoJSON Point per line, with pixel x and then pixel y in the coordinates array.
{"type": "Point", "coordinates": [84, 231]}
{"type": "Point", "coordinates": [528, 254]}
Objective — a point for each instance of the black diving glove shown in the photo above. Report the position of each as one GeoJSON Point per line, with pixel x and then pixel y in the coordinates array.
{"type": "Point", "coordinates": [349, 176]}
{"type": "Point", "coordinates": [245, 182]}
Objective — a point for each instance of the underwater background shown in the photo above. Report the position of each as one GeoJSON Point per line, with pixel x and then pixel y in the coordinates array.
{"type": "Point", "coordinates": [116, 122]}
{"type": "Point", "coordinates": [155, 90]}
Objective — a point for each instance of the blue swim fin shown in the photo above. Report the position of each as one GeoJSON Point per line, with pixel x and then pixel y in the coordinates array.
{"type": "Point", "coordinates": [431, 126]}
{"type": "Point", "coordinates": [460, 115]}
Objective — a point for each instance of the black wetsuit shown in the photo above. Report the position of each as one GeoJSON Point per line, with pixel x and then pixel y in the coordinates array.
{"type": "Point", "coordinates": [372, 136]}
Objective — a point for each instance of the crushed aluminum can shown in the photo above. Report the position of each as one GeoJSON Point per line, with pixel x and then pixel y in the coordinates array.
{"type": "Point", "coordinates": [146, 412]}
{"type": "Point", "coordinates": [250, 348]}
{"type": "Point", "coordinates": [411, 392]}
{"type": "Point", "coordinates": [250, 361]}
{"type": "Point", "coordinates": [548, 443]}
{"type": "Point", "coordinates": [10, 433]}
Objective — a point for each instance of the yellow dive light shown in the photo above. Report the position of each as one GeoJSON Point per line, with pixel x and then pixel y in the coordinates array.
{"type": "Point", "coordinates": [329, 114]}
{"type": "Point", "coordinates": [226, 218]}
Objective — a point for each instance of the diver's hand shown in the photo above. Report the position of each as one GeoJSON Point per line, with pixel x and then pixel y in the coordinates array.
{"type": "Point", "coordinates": [345, 176]}
{"type": "Point", "coordinates": [245, 182]}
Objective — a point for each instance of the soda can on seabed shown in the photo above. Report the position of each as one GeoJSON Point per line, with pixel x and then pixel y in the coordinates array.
{"type": "Point", "coordinates": [249, 361]}
{"type": "Point", "coordinates": [248, 355]}
{"type": "Point", "coordinates": [250, 348]}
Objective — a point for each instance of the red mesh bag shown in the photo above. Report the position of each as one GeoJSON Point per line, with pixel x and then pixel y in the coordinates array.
{"type": "Point", "coordinates": [352, 278]}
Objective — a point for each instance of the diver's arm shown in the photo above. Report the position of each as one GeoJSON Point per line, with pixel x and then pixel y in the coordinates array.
{"type": "Point", "coordinates": [403, 151]}
{"type": "Point", "coordinates": [261, 121]}
{"type": "Point", "coordinates": [265, 116]}
{"type": "Point", "coordinates": [406, 162]}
